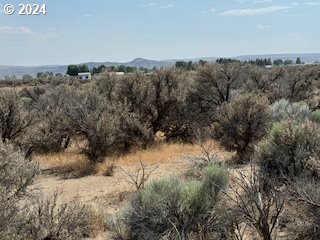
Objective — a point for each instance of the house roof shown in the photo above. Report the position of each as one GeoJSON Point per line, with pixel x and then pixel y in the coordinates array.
{"type": "Point", "coordinates": [84, 74]}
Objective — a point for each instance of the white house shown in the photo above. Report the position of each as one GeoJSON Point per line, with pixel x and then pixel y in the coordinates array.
{"type": "Point", "coordinates": [119, 73]}
{"type": "Point", "coordinates": [84, 76]}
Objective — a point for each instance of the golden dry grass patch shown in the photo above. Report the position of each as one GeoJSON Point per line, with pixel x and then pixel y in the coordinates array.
{"type": "Point", "coordinates": [72, 161]}
{"type": "Point", "coordinates": [163, 153]}
{"type": "Point", "coordinates": [65, 163]}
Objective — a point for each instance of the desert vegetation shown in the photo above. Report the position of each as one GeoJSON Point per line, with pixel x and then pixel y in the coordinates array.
{"type": "Point", "coordinates": [267, 118]}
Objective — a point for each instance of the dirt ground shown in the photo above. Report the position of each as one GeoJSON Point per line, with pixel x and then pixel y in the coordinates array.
{"type": "Point", "coordinates": [111, 193]}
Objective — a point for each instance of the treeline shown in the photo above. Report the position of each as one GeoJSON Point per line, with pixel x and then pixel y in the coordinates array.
{"type": "Point", "coordinates": [73, 70]}
{"type": "Point", "coordinates": [121, 68]}
{"type": "Point", "coordinates": [190, 65]}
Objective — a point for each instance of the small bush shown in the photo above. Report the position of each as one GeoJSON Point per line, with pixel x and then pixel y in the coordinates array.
{"type": "Point", "coordinates": [16, 175]}
{"type": "Point", "coordinates": [241, 123]}
{"type": "Point", "coordinates": [28, 216]}
{"type": "Point", "coordinates": [306, 202]}
{"type": "Point", "coordinates": [290, 150]}
{"type": "Point", "coordinates": [47, 219]}
{"type": "Point", "coordinates": [316, 116]}
{"type": "Point", "coordinates": [174, 208]}
{"type": "Point", "coordinates": [51, 129]}
{"type": "Point", "coordinates": [108, 127]}
{"type": "Point", "coordinates": [259, 208]}
{"type": "Point", "coordinates": [14, 119]}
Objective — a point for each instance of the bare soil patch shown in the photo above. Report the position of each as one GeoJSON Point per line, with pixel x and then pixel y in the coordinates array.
{"type": "Point", "coordinates": [78, 181]}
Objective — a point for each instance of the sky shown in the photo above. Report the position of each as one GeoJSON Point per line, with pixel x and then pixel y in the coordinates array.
{"type": "Point", "coordinates": [77, 31]}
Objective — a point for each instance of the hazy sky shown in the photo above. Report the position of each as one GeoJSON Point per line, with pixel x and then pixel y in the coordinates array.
{"type": "Point", "coordinates": [75, 31]}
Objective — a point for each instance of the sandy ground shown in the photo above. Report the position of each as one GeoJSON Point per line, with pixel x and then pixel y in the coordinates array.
{"type": "Point", "coordinates": [91, 189]}
{"type": "Point", "coordinates": [111, 193]}
{"type": "Point", "coordinates": [108, 194]}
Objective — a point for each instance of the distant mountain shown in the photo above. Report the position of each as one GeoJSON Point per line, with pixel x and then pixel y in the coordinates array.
{"type": "Point", "coordinates": [21, 70]}
{"type": "Point", "coordinates": [138, 62]}
{"type": "Point", "coordinates": [208, 59]}
{"type": "Point", "coordinates": [146, 63]}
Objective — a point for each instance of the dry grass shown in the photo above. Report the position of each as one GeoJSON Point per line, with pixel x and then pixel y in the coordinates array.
{"type": "Point", "coordinates": [99, 220]}
{"type": "Point", "coordinates": [113, 192]}
{"type": "Point", "coordinates": [165, 153]}
{"type": "Point", "coordinates": [66, 164]}
{"type": "Point", "coordinates": [73, 162]}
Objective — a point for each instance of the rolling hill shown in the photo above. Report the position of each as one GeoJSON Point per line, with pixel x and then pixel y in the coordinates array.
{"type": "Point", "coordinates": [146, 63]}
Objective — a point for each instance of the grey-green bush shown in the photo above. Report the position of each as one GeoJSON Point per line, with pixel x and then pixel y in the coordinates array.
{"type": "Point", "coordinates": [16, 175]}
{"type": "Point", "coordinates": [175, 208]}
{"type": "Point", "coordinates": [316, 116]}
{"type": "Point", "coordinates": [289, 151]}
{"type": "Point", "coordinates": [284, 110]}
{"type": "Point", "coordinates": [14, 119]}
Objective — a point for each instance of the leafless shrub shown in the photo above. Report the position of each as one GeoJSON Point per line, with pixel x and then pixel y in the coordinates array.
{"type": "Point", "coordinates": [264, 81]}
{"type": "Point", "coordinates": [295, 83]}
{"type": "Point", "coordinates": [217, 80]}
{"type": "Point", "coordinates": [298, 83]}
{"type": "Point", "coordinates": [49, 219]}
{"type": "Point", "coordinates": [206, 158]}
{"type": "Point", "coordinates": [137, 93]}
{"type": "Point", "coordinates": [28, 216]}
{"type": "Point", "coordinates": [258, 207]}
{"type": "Point", "coordinates": [304, 217]}
{"type": "Point", "coordinates": [91, 117]}
{"type": "Point", "coordinates": [139, 178]}
{"type": "Point", "coordinates": [206, 149]}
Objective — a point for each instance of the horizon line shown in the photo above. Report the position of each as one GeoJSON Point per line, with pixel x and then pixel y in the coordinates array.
{"type": "Point", "coordinates": [159, 60]}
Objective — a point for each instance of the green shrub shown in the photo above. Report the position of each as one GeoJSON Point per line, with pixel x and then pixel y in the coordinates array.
{"type": "Point", "coordinates": [289, 151]}
{"type": "Point", "coordinates": [173, 208]}
{"type": "Point", "coordinates": [316, 116]}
